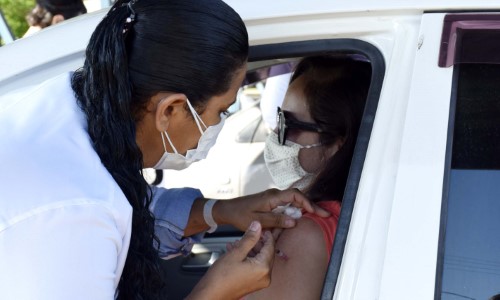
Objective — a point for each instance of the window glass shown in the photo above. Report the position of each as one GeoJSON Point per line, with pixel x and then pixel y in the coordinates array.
{"type": "Point", "coordinates": [471, 264]}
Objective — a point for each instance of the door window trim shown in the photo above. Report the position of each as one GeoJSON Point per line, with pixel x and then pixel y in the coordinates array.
{"type": "Point", "coordinates": [455, 26]}
{"type": "Point", "coordinates": [446, 184]}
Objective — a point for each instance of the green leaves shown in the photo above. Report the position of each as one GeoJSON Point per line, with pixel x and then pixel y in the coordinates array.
{"type": "Point", "coordinates": [15, 12]}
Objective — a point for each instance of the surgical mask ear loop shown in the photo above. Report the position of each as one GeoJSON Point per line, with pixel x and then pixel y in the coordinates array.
{"type": "Point", "coordinates": [197, 117]}
{"type": "Point", "coordinates": [169, 141]}
{"type": "Point", "coordinates": [311, 146]}
{"type": "Point", "coordinates": [168, 138]}
{"type": "Point", "coordinates": [290, 144]}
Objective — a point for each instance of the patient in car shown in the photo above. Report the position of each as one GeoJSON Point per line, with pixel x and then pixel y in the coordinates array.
{"type": "Point", "coordinates": [311, 149]}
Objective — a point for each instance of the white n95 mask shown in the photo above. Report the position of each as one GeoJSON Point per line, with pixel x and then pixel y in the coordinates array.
{"type": "Point", "coordinates": [283, 164]}
{"type": "Point", "coordinates": [177, 161]}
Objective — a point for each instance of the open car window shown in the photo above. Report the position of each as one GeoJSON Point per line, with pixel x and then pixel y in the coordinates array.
{"type": "Point", "coordinates": [365, 51]}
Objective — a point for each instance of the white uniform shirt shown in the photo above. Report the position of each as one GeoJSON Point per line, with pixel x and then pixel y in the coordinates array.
{"type": "Point", "coordinates": [65, 224]}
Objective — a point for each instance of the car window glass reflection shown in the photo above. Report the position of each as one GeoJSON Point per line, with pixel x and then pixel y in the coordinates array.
{"type": "Point", "coordinates": [471, 265]}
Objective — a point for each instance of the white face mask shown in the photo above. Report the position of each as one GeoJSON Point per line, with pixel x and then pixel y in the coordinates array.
{"type": "Point", "coordinates": [283, 163]}
{"type": "Point", "coordinates": [177, 161]}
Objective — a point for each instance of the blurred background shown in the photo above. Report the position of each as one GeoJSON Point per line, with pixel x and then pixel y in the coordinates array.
{"type": "Point", "coordinates": [13, 24]}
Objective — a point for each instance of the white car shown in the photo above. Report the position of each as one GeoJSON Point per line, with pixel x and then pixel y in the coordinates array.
{"type": "Point", "coordinates": [420, 215]}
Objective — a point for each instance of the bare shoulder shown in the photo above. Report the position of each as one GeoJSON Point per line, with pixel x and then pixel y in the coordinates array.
{"type": "Point", "coordinates": [299, 271]}
{"type": "Point", "coordinates": [304, 239]}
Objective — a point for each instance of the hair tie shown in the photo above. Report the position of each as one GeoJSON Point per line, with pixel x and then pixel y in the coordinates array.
{"type": "Point", "coordinates": [131, 18]}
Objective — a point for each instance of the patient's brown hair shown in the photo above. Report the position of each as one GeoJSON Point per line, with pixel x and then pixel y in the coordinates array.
{"type": "Point", "coordinates": [336, 88]}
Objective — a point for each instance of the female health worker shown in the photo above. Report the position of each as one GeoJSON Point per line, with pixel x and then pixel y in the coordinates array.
{"type": "Point", "coordinates": [81, 223]}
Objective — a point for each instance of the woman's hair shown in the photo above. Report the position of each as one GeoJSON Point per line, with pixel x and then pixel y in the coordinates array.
{"type": "Point", "coordinates": [335, 90]}
{"type": "Point", "coordinates": [43, 12]}
{"type": "Point", "coordinates": [184, 46]}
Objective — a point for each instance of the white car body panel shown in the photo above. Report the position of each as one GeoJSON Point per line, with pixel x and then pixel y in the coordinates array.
{"type": "Point", "coordinates": [363, 262]}
{"type": "Point", "coordinates": [261, 10]}
{"type": "Point", "coordinates": [410, 259]}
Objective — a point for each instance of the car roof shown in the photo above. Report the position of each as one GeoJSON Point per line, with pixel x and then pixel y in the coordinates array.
{"type": "Point", "coordinates": [260, 9]}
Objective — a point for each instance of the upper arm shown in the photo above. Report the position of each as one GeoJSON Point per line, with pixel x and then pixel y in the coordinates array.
{"type": "Point", "coordinates": [301, 274]}
{"type": "Point", "coordinates": [64, 253]}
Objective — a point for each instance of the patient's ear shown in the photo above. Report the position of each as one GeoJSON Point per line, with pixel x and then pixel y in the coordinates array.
{"type": "Point", "coordinates": [340, 142]}
{"type": "Point", "coordinates": [335, 147]}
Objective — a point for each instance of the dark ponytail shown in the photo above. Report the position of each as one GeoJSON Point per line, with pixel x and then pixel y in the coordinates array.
{"type": "Point", "coordinates": [187, 46]}
{"type": "Point", "coordinates": [105, 94]}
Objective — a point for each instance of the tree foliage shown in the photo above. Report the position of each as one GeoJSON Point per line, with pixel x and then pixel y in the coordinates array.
{"type": "Point", "coordinates": [15, 12]}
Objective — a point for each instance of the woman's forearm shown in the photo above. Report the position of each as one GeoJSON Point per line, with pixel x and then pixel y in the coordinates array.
{"type": "Point", "coordinates": [240, 212]}
{"type": "Point", "coordinates": [196, 222]}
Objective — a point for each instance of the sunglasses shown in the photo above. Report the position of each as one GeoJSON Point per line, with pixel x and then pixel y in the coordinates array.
{"type": "Point", "coordinates": [285, 123]}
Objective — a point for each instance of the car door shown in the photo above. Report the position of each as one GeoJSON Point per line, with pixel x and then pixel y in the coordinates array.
{"type": "Point", "coordinates": [388, 236]}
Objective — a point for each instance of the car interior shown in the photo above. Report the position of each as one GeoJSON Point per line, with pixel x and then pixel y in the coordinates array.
{"type": "Point", "coordinates": [182, 273]}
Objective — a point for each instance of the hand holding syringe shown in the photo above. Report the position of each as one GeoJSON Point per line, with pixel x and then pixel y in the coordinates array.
{"type": "Point", "coordinates": [288, 210]}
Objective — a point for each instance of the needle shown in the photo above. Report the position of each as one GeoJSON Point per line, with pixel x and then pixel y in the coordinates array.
{"type": "Point", "coordinates": [281, 255]}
